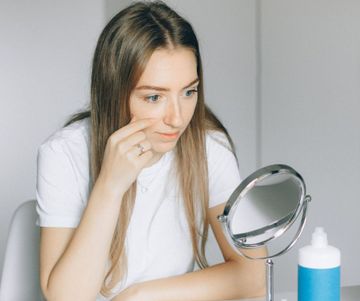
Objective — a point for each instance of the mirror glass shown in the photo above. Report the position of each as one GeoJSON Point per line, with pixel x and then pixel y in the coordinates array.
{"type": "Point", "coordinates": [264, 204]}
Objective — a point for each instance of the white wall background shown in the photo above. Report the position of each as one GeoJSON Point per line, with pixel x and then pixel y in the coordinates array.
{"type": "Point", "coordinates": [283, 76]}
{"type": "Point", "coordinates": [45, 54]}
{"type": "Point", "coordinates": [310, 107]}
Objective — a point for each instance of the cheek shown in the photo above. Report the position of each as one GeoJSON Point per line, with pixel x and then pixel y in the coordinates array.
{"type": "Point", "coordinates": [140, 110]}
{"type": "Point", "coordinates": [189, 111]}
{"type": "Point", "coordinates": [142, 115]}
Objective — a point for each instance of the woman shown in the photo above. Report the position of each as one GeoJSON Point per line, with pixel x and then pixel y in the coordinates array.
{"type": "Point", "coordinates": [127, 190]}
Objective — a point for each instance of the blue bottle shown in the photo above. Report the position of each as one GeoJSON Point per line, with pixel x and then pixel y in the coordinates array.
{"type": "Point", "coordinates": [319, 270]}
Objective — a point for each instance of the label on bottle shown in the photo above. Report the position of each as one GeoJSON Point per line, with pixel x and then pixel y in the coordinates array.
{"type": "Point", "coordinates": [318, 284]}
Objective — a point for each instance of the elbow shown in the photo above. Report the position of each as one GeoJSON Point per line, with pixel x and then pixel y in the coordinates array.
{"type": "Point", "coordinates": [254, 289]}
{"type": "Point", "coordinates": [259, 290]}
{"type": "Point", "coordinates": [57, 292]}
{"type": "Point", "coordinates": [257, 282]}
{"type": "Point", "coordinates": [49, 290]}
{"type": "Point", "coordinates": [49, 293]}
{"type": "Point", "coordinates": [44, 288]}
{"type": "Point", "coordinates": [51, 296]}
{"type": "Point", "coordinates": [254, 280]}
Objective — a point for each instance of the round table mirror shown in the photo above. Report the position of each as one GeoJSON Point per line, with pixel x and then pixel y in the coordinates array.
{"type": "Point", "coordinates": [263, 207]}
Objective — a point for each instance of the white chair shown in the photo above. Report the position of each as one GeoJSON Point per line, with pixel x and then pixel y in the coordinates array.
{"type": "Point", "coordinates": [20, 275]}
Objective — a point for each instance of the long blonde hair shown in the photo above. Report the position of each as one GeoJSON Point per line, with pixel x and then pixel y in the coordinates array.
{"type": "Point", "coordinates": [122, 52]}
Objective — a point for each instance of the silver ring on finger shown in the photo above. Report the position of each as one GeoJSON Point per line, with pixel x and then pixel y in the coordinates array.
{"type": "Point", "coordinates": [141, 149]}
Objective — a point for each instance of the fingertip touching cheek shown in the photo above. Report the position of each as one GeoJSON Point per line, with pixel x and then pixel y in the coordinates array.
{"type": "Point", "coordinates": [167, 92]}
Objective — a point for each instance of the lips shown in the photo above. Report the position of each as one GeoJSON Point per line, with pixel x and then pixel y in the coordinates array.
{"type": "Point", "coordinates": [170, 135]}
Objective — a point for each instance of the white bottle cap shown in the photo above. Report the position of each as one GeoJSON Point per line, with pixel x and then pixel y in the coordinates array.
{"type": "Point", "coordinates": [319, 238]}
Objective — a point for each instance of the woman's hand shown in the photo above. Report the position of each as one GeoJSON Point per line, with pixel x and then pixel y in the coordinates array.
{"type": "Point", "coordinates": [127, 152]}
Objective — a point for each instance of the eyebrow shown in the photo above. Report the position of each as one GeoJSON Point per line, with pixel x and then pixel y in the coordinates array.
{"type": "Point", "coordinates": [145, 87]}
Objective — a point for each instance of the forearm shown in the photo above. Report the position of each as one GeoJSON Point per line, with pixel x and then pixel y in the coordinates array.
{"type": "Point", "coordinates": [79, 273]}
{"type": "Point", "coordinates": [229, 280]}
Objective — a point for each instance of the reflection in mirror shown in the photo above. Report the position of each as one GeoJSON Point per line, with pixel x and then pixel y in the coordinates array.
{"type": "Point", "coordinates": [270, 202]}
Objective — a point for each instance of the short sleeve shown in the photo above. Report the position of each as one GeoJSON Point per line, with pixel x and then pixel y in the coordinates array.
{"type": "Point", "coordinates": [59, 201]}
{"type": "Point", "coordinates": [223, 169]}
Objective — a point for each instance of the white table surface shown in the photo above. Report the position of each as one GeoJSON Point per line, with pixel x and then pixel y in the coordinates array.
{"type": "Point", "coordinates": [349, 293]}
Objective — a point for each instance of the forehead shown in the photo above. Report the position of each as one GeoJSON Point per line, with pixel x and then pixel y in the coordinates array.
{"type": "Point", "coordinates": [169, 68]}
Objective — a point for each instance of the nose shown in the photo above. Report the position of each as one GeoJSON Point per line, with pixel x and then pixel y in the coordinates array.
{"type": "Point", "coordinates": [172, 115]}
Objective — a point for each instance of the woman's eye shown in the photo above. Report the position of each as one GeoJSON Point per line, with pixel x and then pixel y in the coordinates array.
{"type": "Point", "coordinates": [152, 98]}
{"type": "Point", "coordinates": [190, 92]}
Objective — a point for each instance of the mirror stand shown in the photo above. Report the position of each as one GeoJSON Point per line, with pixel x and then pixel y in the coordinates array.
{"type": "Point", "coordinates": [269, 280]}
{"type": "Point", "coordinates": [269, 262]}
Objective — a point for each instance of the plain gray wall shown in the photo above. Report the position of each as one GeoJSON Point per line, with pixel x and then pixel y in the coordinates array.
{"type": "Point", "coordinates": [283, 76]}
{"type": "Point", "coordinates": [310, 109]}
{"type": "Point", "coordinates": [45, 54]}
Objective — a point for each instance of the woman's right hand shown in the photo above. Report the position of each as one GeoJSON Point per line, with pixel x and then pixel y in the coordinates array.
{"type": "Point", "coordinates": [123, 159]}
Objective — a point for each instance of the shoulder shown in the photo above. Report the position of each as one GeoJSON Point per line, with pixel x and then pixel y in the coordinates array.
{"type": "Point", "coordinates": [217, 141]}
{"type": "Point", "coordinates": [72, 138]}
{"type": "Point", "coordinates": [219, 152]}
{"type": "Point", "coordinates": [223, 168]}
{"type": "Point", "coordinates": [62, 185]}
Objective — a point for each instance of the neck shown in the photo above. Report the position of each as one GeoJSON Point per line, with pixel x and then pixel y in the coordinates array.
{"type": "Point", "coordinates": [154, 159]}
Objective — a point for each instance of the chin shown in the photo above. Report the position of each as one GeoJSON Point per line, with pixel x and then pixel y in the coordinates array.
{"type": "Point", "coordinates": [164, 147]}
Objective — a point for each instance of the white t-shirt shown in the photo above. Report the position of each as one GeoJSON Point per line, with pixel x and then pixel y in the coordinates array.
{"type": "Point", "coordinates": [158, 243]}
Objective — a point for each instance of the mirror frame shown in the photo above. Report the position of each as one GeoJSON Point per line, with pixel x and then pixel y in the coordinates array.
{"type": "Point", "coordinates": [238, 241]}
